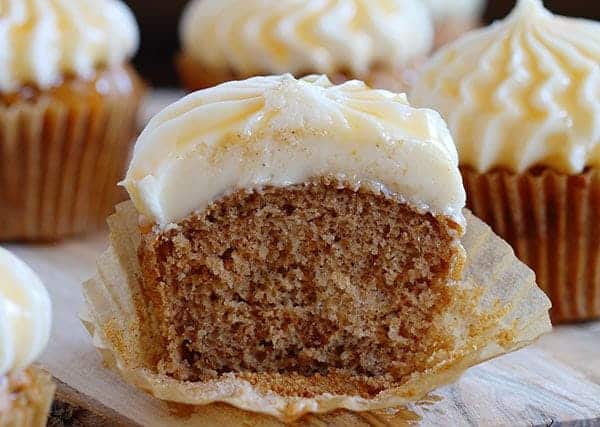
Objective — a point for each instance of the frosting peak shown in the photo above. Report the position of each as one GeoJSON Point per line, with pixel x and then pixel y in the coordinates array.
{"type": "Point", "coordinates": [521, 93]}
{"type": "Point", "coordinates": [25, 314]}
{"type": "Point", "coordinates": [254, 37]}
{"type": "Point", "coordinates": [280, 131]}
{"type": "Point", "coordinates": [43, 41]}
{"type": "Point", "coordinates": [525, 7]}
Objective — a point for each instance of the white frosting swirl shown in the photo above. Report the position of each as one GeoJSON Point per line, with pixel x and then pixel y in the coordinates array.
{"type": "Point", "coordinates": [280, 131]}
{"type": "Point", "coordinates": [449, 9]}
{"type": "Point", "coordinates": [522, 93]}
{"type": "Point", "coordinates": [254, 37]}
{"type": "Point", "coordinates": [41, 41]}
{"type": "Point", "coordinates": [25, 314]}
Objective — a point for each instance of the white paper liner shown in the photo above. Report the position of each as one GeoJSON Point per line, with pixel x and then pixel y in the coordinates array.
{"type": "Point", "coordinates": [512, 311]}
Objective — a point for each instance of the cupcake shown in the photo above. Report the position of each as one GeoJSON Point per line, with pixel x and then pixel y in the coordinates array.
{"type": "Point", "coordinates": [68, 102]}
{"type": "Point", "coordinates": [381, 42]}
{"type": "Point", "coordinates": [294, 246]}
{"type": "Point", "coordinates": [452, 18]}
{"type": "Point", "coordinates": [521, 99]}
{"type": "Point", "coordinates": [26, 391]}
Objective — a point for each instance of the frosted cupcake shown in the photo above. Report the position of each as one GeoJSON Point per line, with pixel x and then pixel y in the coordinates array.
{"type": "Point", "coordinates": [521, 99]}
{"type": "Point", "coordinates": [452, 18]}
{"type": "Point", "coordinates": [68, 102]}
{"type": "Point", "coordinates": [26, 392]}
{"type": "Point", "coordinates": [378, 41]}
{"type": "Point", "coordinates": [295, 246]}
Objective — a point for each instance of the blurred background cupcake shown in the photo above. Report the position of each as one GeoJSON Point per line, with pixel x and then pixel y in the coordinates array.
{"type": "Point", "coordinates": [375, 41]}
{"type": "Point", "coordinates": [159, 21]}
{"type": "Point", "coordinates": [68, 102]}
{"type": "Point", "coordinates": [452, 18]}
{"type": "Point", "coordinates": [26, 391]}
{"type": "Point", "coordinates": [522, 101]}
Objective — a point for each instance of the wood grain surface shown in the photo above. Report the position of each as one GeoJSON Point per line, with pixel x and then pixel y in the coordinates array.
{"type": "Point", "coordinates": [555, 381]}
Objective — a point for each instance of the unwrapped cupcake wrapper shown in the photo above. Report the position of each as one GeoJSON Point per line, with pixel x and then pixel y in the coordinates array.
{"type": "Point", "coordinates": [509, 312]}
{"type": "Point", "coordinates": [60, 165]}
{"type": "Point", "coordinates": [33, 410]}
{"type": "Point", "coordinates": [552, 220]}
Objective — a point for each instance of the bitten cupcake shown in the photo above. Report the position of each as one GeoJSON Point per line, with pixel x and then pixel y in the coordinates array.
{"type": "Point", "coordinates": [378, 41]}
{"type": "Point", "coordinates": [521, 99]}
{"type": "Point", "coordinates": [452, 18]}
{"type": "Point", "coordinates": [295, 246]}
{"type": "Point", "coordinates": [68, 102]}
{"type": "Point", "coordinates": [26, 392]}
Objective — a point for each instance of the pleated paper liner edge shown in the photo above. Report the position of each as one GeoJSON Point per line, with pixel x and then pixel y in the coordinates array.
{"type": "Point", "coordinates": [111, 320]}
{"type": "Point", "coordinates": [552, 220]}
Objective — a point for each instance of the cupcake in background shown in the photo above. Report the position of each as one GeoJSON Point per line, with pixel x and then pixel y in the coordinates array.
{"type": "Point", "coordinates": [68, 103]}
{"type": "Point", "coordinates": [452, 18]}
{"type": "Point", "coordinates": [26, 391]}
{"type": "Point", "coordinates": [378, 41]}
{"type": "Point", "coordinates": [521, 99]}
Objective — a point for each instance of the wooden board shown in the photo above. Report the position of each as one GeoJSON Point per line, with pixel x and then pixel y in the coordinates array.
{"type": "Point", "coordinates": [557, 380]}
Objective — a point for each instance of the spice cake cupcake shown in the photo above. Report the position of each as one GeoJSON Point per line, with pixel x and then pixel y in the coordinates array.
{"type": "Point", "coordinates": [521, 99]}
{"type": "Point", "coordinates": [452, 18]}
{"type": "Point", "coordinates": [26, 392]}
{"type": "Point", "coordinates": [378, 41]}
{"type": "Point", "coordinates": [68, 102]}
{"type": "Point", "coordinates": [294, 246]}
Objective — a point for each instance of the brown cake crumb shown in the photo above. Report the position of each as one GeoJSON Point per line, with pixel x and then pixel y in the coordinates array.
{"type": "Point", "coordinates": [302, 290]}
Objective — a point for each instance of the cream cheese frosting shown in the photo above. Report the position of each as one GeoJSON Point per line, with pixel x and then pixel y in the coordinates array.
{"type": "Point", "coordinates": [25, 314]}
{"type": "Point", "coordinates": [41, 41]}
{"type": "Point", "coordinates": [522, 93]}
{"type": "Point", "coordinates": [255, 37]}
{"type": "Point", "coordinates": [444, 9]}
{"type": "Point", "coordinates": [279, 131]}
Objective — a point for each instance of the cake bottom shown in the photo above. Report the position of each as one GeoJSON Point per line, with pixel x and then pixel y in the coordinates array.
{"type": "Point", "coordinates": [25, 398]}
{"type": "Point", "coordinates": [309, 289]}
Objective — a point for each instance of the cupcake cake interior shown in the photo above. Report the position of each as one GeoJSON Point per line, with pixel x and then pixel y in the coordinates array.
{"type": "Point", "coordinates": [310, 280]}
{"type": "Point", "coordinates": [322, 261]}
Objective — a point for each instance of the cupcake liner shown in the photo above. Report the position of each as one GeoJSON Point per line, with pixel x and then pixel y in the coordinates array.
{"type": "Point", "coordinates": [60, 164]}
{"type": "Point", "coordinates": [508, 312]}
{"type": "Point", "coordinates": [552, 220]}
{"type": "Point", "coordinates": [28, 407]}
